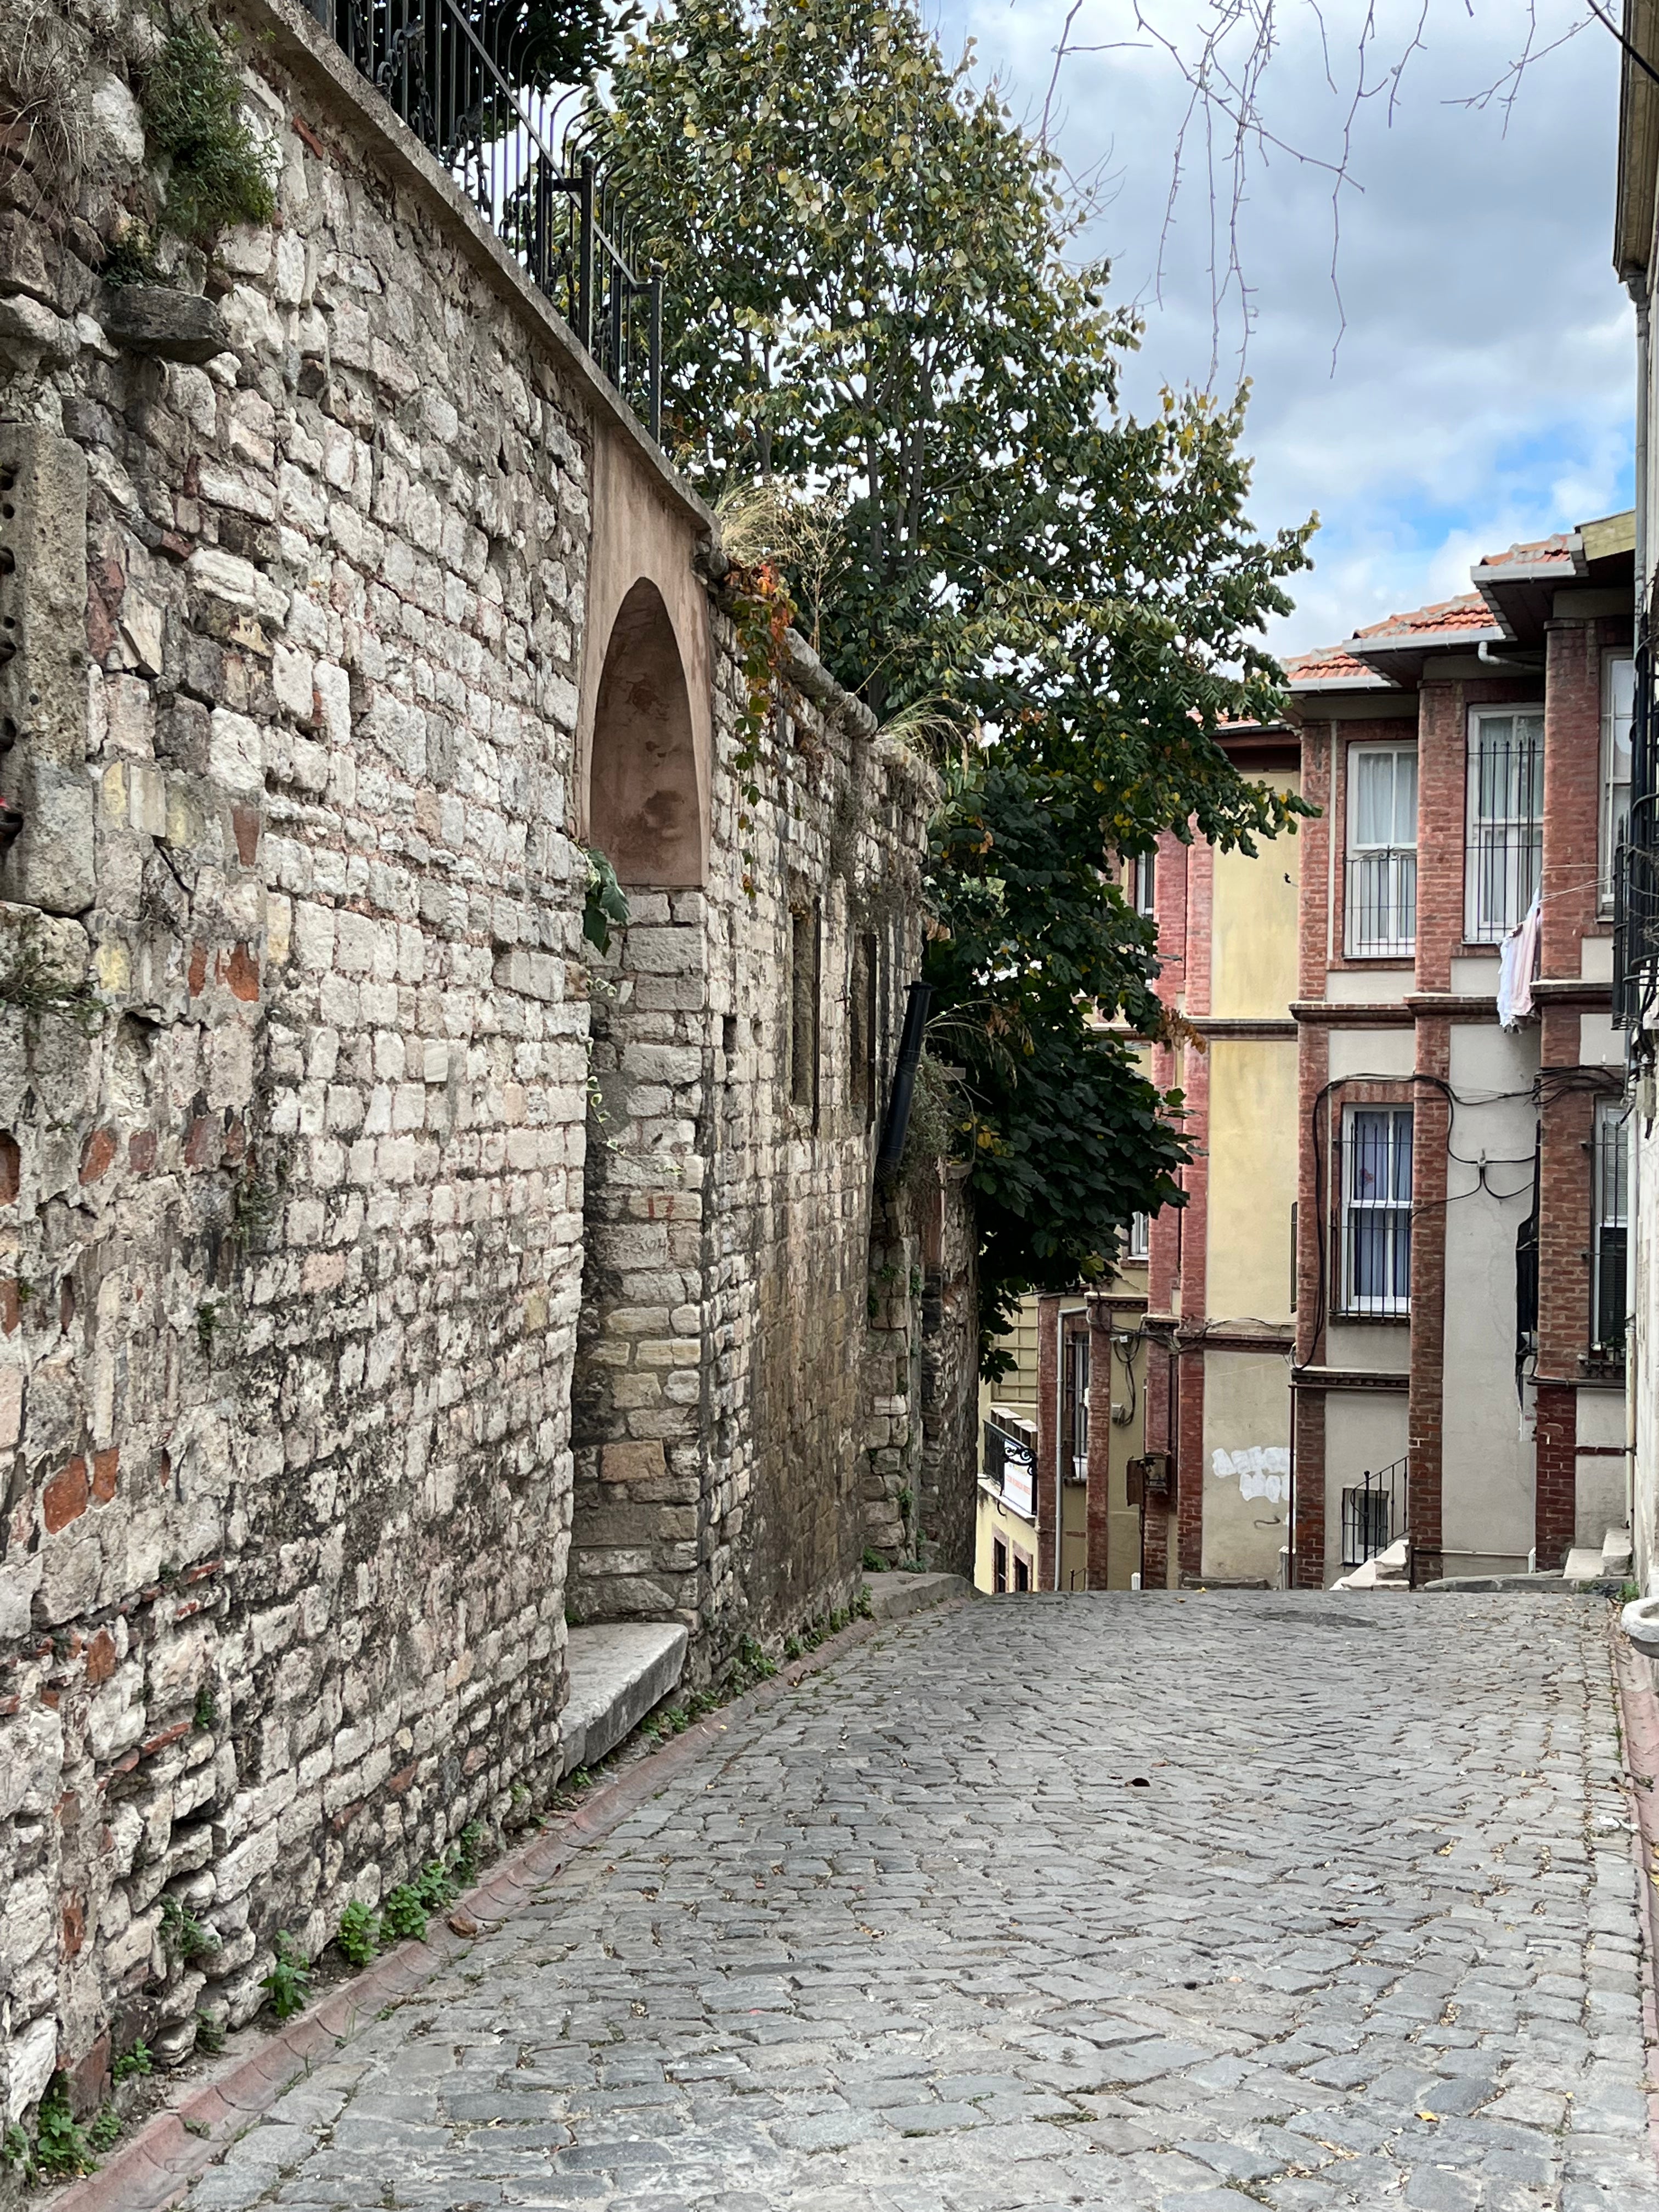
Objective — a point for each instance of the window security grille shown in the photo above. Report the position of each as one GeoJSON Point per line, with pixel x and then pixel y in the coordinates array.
{"type": "Point", "coordinates": [1609, 1224]}
{"type": "Point", "coordinates": [1505, 821]}
{"type": "Point", "coordinates": [1636, 864]}
{"type": "Point", "coordinates": [1380, 900]}
{"type": "Point", "coordinates": [1376, 1211]}
{"type": "Point", "coordinates": [1618, 716]}
{"type": "Point", "coordinates": [1077, 1406]}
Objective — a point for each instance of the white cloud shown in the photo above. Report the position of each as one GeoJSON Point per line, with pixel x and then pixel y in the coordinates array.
{"type": "Point", "coordinates": [1481, 390]}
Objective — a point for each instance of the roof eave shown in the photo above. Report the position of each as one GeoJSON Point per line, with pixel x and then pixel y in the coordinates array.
{"type": "Point", "coordinates": [1638, 144]}
{"type": "Point", "coordinates": [1304, 686]}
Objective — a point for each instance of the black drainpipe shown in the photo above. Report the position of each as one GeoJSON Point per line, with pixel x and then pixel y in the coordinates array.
{"type": "Point", "coordinates": [898, 1124]}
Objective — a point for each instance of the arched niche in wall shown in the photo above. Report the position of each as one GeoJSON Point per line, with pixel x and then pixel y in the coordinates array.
{"type": "Point", "coordinates": [645, 801]}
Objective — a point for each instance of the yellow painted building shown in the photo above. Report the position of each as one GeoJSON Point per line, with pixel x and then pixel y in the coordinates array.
{"type": "Point", "coordinates": [1076, 1398]}
{"type": "Point", "coordinates": [1222, 1272]}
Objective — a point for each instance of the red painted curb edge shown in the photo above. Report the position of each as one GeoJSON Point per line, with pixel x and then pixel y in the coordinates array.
{"type": "Point", "coordinates": [1638, 1711]}
{"type": "Point", "coordinates": [154, 2169]}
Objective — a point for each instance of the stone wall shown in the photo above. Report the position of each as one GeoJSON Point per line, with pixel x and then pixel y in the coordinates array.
{"type": "Point", "coordinates": [719, 1396]}
{"type": "Point", "coordinates": [295, 1072]}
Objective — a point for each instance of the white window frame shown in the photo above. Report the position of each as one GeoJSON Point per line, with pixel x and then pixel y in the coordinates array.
{"type": "Point", "coordinates": [1141, 884]}
{"type": "Point", "coordinates": [1521, 834]}
{"type": "Point", "coordinates": [1396, 864]}
{"type": "Point", "coordinates": [1355, 1208]}
{"type": "Point", "coordinates": [1610, 1210]}
{"type": "Point", "coordinates": [1613, 815]}
{"type": "Point", "coordinates": [1140, 1236]}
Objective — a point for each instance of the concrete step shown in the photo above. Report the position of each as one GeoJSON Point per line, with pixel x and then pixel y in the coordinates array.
{"type": "Point", "coordinates": [1389, 1570]}
{"type": "Point", "coordinates": [894, 1596]}
{"type": "Point", "coordinates": [619, 1669]}
{"type": "Point", "coordinates": [1617, 1552]}
{"type": "Point", "coordinates": [1584, 1565]}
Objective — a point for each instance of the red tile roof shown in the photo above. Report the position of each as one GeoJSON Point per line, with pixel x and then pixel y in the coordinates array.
{"type": "Point", "coordinates": [1337, 664]}
{"type": "Point", "coordinates": [1468, 612]}
{"type": "Point", "coordinates": [1556, 552]}
{"type": "Point", "coordinates": [1329, 662]}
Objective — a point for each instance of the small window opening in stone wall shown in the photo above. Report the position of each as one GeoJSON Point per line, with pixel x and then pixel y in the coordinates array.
{"type": "Point", "coordinates": [804, 1009]}
{"type": "Point", "coordinates": [862, 1028]}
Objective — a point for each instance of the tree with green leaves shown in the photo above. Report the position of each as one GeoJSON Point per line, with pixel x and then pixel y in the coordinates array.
{"type": "Point", "coordinates": [873, 300]}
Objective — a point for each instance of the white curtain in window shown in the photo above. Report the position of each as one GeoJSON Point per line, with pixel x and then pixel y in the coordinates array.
{"type": "Point", "coordinates": [1385, 798]}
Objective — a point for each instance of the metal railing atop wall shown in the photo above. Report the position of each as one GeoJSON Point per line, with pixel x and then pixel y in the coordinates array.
{"type": "Point", "coordinates": [466, 83]}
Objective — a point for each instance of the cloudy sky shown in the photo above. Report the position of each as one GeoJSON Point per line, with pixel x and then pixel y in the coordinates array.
{"type": "Point", "coordinates": [1481, 391]}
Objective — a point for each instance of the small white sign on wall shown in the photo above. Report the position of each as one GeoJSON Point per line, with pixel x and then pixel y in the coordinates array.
{"type": "Point", "coordinates": [1017, 1485]}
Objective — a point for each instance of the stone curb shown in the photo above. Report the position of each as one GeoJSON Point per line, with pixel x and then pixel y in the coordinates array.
{"type": "Point", "coordinates": [154, 2169]}
{"type": "Point", "coordinates": [1638, 1715]}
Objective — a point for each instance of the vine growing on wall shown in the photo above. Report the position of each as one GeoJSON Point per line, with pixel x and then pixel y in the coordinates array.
{"type": "Point", "coordinates": [763, 610]}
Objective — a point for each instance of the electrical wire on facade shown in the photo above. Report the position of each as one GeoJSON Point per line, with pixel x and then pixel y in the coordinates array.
{"type": "Point", "coordinates": [1550, 1085]}
{"type": "Point", "coordinates": [1470, 1101]}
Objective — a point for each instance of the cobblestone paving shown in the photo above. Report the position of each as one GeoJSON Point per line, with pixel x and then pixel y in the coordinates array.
{"type": "Point", "coordinates": [1098, 1901]}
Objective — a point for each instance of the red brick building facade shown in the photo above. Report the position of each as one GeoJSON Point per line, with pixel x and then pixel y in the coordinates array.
{"type": "Point", "coordinates": [1458, 1377]}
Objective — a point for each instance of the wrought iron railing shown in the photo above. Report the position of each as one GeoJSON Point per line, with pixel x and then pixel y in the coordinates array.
{"type": "Point", "coordinates": [1374, 1513]}
{"type": "Point", "coordinates": [466, 79]}
{"type": "Point", "coordinates": [1380, 903]}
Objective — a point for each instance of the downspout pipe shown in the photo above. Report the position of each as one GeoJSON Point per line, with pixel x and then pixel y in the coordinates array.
{"type": "Point", "coordinates": [1635, 283]}
{"type": "Point", "coordinates": [1060, 1437]}
{"type": "Point", "coordinates": [898, 1124]}
{"type": "Point", "coordinates": [1636, 1352]}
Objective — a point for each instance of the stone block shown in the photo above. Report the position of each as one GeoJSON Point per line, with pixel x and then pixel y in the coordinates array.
{"type": "Point", "coordinates": [633, 1461]}
{"type": "Point", "coordinates": [617, 1673]}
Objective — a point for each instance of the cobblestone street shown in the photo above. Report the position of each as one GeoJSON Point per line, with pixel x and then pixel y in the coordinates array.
{"type": "Point", "coordinates": [1100, 1901]}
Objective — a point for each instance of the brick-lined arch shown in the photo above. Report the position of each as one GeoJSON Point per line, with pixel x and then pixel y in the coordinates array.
{"type": "Point", "coordinates": [644, 796]}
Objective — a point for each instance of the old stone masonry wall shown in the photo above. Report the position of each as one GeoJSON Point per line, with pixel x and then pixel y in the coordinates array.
{"type": "Point", "coordinates": [298, 551]}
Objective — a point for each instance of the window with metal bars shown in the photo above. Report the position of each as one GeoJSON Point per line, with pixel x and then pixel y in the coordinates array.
{"type": "Point", "coordinates": [1380, 886]}
{"type": "Point", "coordinates": [1377, 1210]}
{"type": "Point", "coordinates": [1506, 820]}
{"type": "Point", "coordinates": [1636, 864]}
{"type": "Point", "coordinates": [1609, 1229]}
{"type": "Point", "coordinates": [1077, 1406]}
{"type": "Point", "coordinates": [1618, 716]}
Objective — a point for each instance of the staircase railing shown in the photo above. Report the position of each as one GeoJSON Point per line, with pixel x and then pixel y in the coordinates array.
{"type": "Point", "coordinates": [1373, 1512]}
{"type": "Point", "coordinates": [469, 90]}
